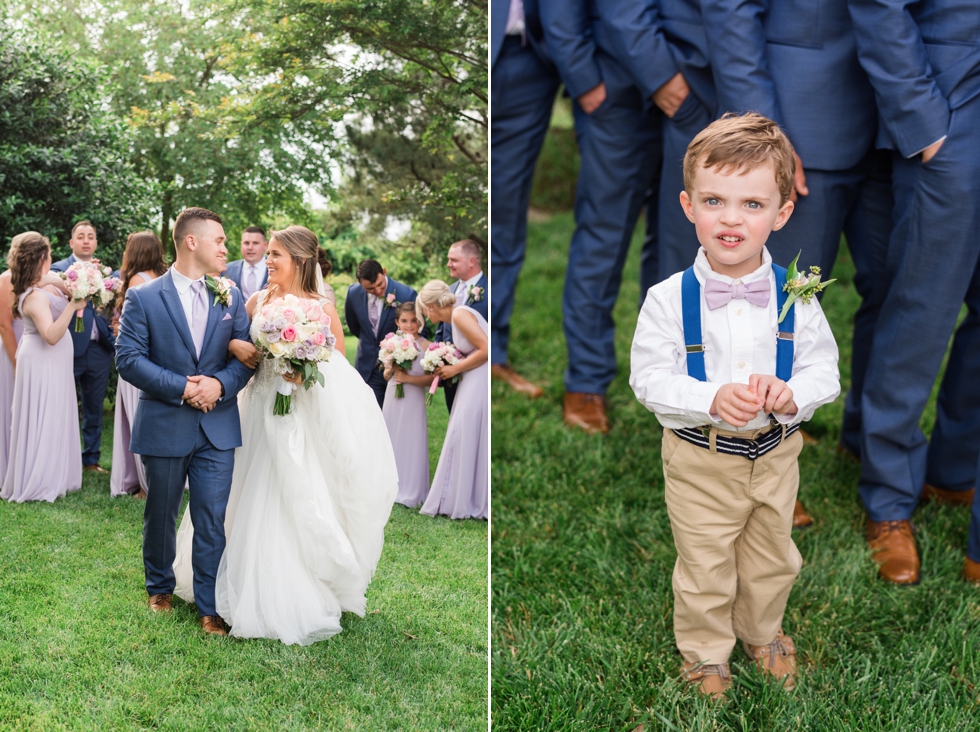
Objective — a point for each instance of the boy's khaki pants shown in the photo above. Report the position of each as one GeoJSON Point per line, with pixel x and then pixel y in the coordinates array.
{"type": "Point", "coordinates": [732, 520]}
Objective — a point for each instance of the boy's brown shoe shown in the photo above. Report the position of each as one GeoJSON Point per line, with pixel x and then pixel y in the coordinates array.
{"type": "Point", "coordinates": [894, 550]}
{"type": "Point", "coordinates": [801, 519]}
{"type": "Point", "coordinates": [712, 679]}
{"type": "Point", "coordinates": [777, 658]}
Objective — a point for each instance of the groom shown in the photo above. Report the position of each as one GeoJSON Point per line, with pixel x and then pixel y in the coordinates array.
{"type": "Point", "coordinates": [173, 346]}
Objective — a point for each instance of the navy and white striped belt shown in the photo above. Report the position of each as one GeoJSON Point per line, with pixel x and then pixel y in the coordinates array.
{"type": "Point", "coordinates": [750, 449]}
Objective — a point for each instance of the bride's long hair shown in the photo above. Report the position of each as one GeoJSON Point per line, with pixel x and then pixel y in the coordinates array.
{"type": "Point", "coordinates": [302, 245]}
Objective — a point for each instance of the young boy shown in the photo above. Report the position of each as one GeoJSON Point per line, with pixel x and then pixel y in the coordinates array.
{"type": "Point", "coordinates": [705, 361]}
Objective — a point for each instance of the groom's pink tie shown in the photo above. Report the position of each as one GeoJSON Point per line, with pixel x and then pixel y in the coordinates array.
{"type": "Point", "coordinates": [717, 293]}
{"type": "Point", "coordinates": [199, 314]}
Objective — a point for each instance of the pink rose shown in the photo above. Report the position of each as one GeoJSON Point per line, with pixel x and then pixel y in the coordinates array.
{"type": "Point", "coordinates": [108, 284]}
{"type": "Point", "coordinates": [314, 314]}
{"type": "Point", "coordinates": [406, 343]}
{"type": "Point", "coordinates": [290, 315]}
{"type": "Point", "coordinates": [289, 332]}
{"type": "Point", "coordinates": [390, 298]}
{"type": "Point", "coordinates": [72, 275]}
{"type": "Point", "coordinates": [324, 319]}
{"type": "Point", "coordinates": [319, 339]}
{"type": "Point", "coordinates": [389, 335]}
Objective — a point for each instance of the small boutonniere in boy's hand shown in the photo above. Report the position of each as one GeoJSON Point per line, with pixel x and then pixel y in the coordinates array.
{"type": "Point", "coordinates": [475, 295]}
{"type": "Point", "coordinates": [390, 301]}
{"type": "Point", "coordinates": [220, 287]}
{"type": "Point", "coordinates": [801, 286]}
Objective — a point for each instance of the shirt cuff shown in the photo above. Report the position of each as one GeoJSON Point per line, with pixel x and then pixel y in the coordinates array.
{"type": "Point", "coordinates": [919, 152]}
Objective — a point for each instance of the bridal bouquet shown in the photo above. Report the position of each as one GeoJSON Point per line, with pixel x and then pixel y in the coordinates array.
{"type": "Point", "coordinates": [296, 335]}
{"type": "Point", "coordinates": [86, 280]}
{"type": "Point", "coordinates": [112, 286]}
{"type": "Point", "coordinates": [400, 350]}
{"type": "Point", "coordinates": [436, 355]}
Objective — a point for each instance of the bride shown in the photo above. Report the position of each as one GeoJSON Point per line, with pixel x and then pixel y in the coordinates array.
{"type": "Point", "coordinates": [311, 491]}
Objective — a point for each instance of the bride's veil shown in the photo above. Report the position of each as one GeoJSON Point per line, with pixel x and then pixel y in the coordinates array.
{"type": "Point", "coordinates": [320, 287]}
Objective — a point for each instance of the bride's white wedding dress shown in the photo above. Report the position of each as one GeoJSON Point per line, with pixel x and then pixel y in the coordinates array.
{"type": "Point", "coordinates": [310, 497]}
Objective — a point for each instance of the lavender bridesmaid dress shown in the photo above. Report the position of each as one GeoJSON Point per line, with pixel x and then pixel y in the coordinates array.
{"type": "Point", "coordinates": [128, 474]}
{"type": "Point", "coordinates": [45, 459]}
{"type": "Point", "coordinates": [7, 396]}
{"type": "Point", "coordinates": [459, 489]}
{"type": "Point", "coordinates": [409, 432]}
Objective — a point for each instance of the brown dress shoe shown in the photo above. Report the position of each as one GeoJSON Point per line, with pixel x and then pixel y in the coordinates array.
{"type": "Point", "coordinates": [712, 680]}
{"type": "Point", "coordinates": [971, 570]}
{"type": "Point", "coordinates": [213, 625]}
{"type": "Point", "coordinates": [96, 469]}
{"type": "Point", "coordinates": [162, 603]}
{"type": "Point", "coordinates": [586, 411]}
{"type": "Point", "coordinates": [505, 372]}
{"type": "Point", "coordinates": [777, 658]}
{"type": "Point", "coordinates": [140, 494]}
{"type": "Point", "coordinates": [941, 495]}
{"type": "Point", "coordinates": [893, 544]}
{"type": "Point", "coordinates": [801, 519]}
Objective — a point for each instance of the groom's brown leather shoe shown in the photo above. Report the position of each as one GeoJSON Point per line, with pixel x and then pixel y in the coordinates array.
{"type": "Point", "coordinates": [971, 570]}
{"type": "Point", "coordinates": [894, 550]}
{"type": "Point", "coordinates": [161, 603]}
{"type": "Point", "coordinates": [941, 495]}
{"type": "Point", "coordinates": [801, 519]}
{"type": "Point", "coordinates": [586, 411]}
{"type": "Point", "coordinates": [213, 625]}
{"type": "Point", "coordinates": [505, 372]}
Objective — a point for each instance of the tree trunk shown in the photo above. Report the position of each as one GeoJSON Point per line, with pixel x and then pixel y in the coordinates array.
{"type": "Point", "coordinates": [168, 210]}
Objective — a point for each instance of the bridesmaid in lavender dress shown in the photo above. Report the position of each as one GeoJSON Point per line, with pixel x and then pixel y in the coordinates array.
{"type": "Point", "coordinates": [459, 489]}
{"type": "Point", "coordinates": [10, 332]}
{"type": "Point", "coordinates": [45, 459]}
{"type": "Point", "coordinates": [142, 262]}
{"type": "Point", "coordinates": [405, 417]}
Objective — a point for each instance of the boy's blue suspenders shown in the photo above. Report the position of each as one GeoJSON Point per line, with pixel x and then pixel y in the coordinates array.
{"type": "Point", "coordinates": [691, 313]}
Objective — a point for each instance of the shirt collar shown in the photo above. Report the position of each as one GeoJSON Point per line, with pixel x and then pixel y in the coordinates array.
{"type": "Point", "coordinates": [474, 279]}
{"type": "Point", "coordinates": [182, 282]}
{"type": "Point", "coordinates": [703, 269]}
{"type": "Point", "coordinates": [260, 264]}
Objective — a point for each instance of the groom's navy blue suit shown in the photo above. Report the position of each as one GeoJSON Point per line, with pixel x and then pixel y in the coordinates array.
{"type": "Point", "coordinates": [923, 59]}
{"type": "Point", "coordinates": [359, 324]}
{"type": "Point", "coordinates": [92, 365]}
{"type": "Point", "coordinates": [155, 352]}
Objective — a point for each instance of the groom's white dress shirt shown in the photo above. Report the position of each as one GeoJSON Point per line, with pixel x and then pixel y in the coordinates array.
{"type": "Point", "coordinates": [183, 285]}
{"type": "Point", "coordinates": [739, 340]}
{"type": "Point", "coordinates": [463, 288]}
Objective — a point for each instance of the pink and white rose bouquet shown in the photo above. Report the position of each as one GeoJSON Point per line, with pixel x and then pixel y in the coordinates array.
{"type": "Point", "coordinates": [112, 285]}
{"type": "Point", "coordinates": [86, 281]}
{"type": "Point", "coordinates": [436, 355]}
{"type": "Point", "coordinates": [401, 350]}
{"type": "Point", "coordinates": [295, 334]}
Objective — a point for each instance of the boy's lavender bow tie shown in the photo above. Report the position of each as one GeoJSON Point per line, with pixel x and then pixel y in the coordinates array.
{"type": "Point", "coordinates": [717, 293]}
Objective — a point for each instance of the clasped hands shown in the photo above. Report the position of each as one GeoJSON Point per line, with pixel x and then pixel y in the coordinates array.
{"type": "Point", "coordinates": [738, 404]}
{"type": "Point", "coordinates": [202, 392]}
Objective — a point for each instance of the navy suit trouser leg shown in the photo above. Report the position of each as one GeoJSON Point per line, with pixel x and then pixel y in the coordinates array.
{"type": "Point", "coordinates": [867, 230]}
{"type": "Point", "coordinates": [620, 146]}
{"type": "Point", "coordinates": [932, 260]}
{"type": "Point", "coordinates": [208, 471]}
{"type": "Point", "coordinates": [522, 94]}
{"type": "Point", "coordinates": [92, 380]}
{"type": "Point", "coordinates": [677, 239]}
{"type": "Point", "coordinates": [450, 390]}
{"type": "Point", "coordinates": [377, 382]}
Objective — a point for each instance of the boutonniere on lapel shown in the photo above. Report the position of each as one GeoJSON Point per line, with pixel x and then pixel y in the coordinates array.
{"type": "Point", "coordinates": [220, 287]}
{"type": "Point", "coordinates": [474, 294]}
{"type": "Point", "coordinates": [390, 301]}
{"type": "Point", "coordinates": [801, 286]}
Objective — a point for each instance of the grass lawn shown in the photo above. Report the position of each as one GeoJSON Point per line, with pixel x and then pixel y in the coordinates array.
{"type": "Point", "coordinates": [582, 558]}
{"type": "Point", "coordinates": [80, 650]}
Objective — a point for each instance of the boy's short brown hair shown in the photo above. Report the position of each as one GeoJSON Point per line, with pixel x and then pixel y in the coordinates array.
{"type": "Point", "coordinates": [742, 142]}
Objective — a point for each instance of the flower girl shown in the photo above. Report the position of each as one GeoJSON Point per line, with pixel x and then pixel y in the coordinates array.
{"type": "Point", "coordinates": [405, 417]}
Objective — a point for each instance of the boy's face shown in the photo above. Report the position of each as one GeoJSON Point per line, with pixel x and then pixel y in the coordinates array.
{"type": "Point", "coordinates": [733, 214]}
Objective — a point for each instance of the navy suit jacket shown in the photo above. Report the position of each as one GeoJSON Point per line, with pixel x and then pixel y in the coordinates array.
{"type": "Point", "coordinates": [359, 323]}
{"type": "Point", "coordinates": [923, 59]}
{"type": "Point", "coordinates": [155, 353]}
{"type": "Point", "coordinates": [81, 341]}
{"type": "Point", "coordinates": [796, 62]}
{"type": "Point", "coordinates": [533, 33]}
{"type": "Point", "coordinates": [234, 273]}
{"type": "Point", "coordinates": [620, 42]}
{"type": "Point", "coordinates": [444, 332]}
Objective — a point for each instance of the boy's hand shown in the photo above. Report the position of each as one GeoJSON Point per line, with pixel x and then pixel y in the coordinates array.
{"type": "Point", "coordinates": [775, 394]}
{"type": "Point", "coordinates": [737, 404]}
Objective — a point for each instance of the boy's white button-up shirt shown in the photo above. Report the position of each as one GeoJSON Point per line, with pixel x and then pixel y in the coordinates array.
{"type": "Point", "coordinates": [739, 340]}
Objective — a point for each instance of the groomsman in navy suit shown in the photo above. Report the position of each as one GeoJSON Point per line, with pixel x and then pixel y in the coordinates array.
{"type": "Point", "coordinates": [923, 59]}
{"type": "Point", "coordinates": [94, 350]}
{"type": "Point", "coordinates": [370, 313]}
{"type": "Point", "coordinates": [615, 63]}
{"type": "Point", "coordinates": [523, 85]}
{"type": "Point", "coordinates": [250, 272]}
{"type": "Point", "coordinates": [470, 287]}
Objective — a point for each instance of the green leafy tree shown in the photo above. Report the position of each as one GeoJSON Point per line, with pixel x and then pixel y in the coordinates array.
{"type": "Point", "coordinates": [63, 157]}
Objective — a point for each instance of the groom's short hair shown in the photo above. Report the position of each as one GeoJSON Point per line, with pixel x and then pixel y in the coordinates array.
{"type": "Point", "coordinates": [188, 220]}
{"type": "Point", "coordinates": [369, 271]}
